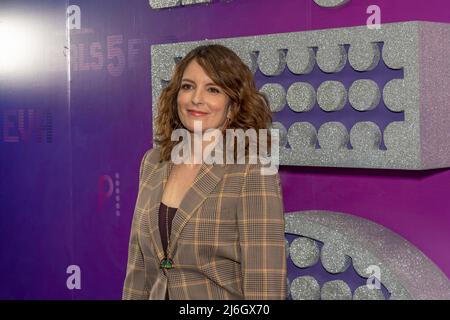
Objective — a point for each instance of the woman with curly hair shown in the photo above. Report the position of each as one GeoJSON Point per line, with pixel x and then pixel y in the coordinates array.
{"type": "Point", "coordinates": [201, 230]}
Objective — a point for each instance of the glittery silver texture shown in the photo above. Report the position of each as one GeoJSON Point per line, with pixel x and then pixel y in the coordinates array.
{"type": "Point", "coordinates": [335, 290]}
{"type": "Point", "coordinates": [334, 259]}
{"type": "Point", "coordinates": [420, 141]}
{"type": "Point", "coordinates": [302, 136]}
{"type": "Point", "coordinates": [395, 54]}
{"type": "Point", "coordinates": [304, 252]}
{"type": "Point", "coordinates": [286, 246]}
{"type": "Point", "coordinates": [331, 3]}
{"type": "Point", "coordinates": [288, 287]}
{"type": "Point", "coordinates": [332, 136]}
{"type": "Point", "coordinates": [365, 293]}
{"type": "Point", "coordinates": [300, 60]}
{"type": "Point", "coordinates": [331, 95]}
{"type": "Point", "coordinates": [434, 115]}
{"type": "Point", "coordinates": [301, 96]}
{"type": "Point", "coordinates": [364, 56]}
{"type": "Point", "coordinates": [276, 95]}
{"type": "Point", "coordinates": [404, 270]}
{"type": "Point", "coordinates": [271, 62]}
{"type": "Point", "coordinates": [331, 58]}
{"type": "Point", "coordinates": [364, 95]}
{"type": "Point", "coordinates": [250, 58]}
{"type": "Point", "coordinates": [396, 95]}
{"type": "Point", "coordinates": [305, 288]}
{"type": "Point", "coordinates": [365, 136]}
{"type": "Point", "coordinates": [282, 132]}
{"type": "Point", "coordinates": [167, 68]}
{"type": "Point", "coordinates": [187, 2]}
{"type": "Point", "coordinates": [162, 4]}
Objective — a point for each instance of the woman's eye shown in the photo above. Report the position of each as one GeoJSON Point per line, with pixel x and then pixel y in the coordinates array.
{"type": "Point", "coordinates": [188, 86]}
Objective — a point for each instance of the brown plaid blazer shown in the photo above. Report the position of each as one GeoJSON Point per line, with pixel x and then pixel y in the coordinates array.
{"type": "Point", "coordinates": [227, 237]}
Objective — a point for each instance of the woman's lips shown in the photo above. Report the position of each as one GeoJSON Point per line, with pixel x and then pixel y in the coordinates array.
{"type": "Point", "coordinates": [196, 113]}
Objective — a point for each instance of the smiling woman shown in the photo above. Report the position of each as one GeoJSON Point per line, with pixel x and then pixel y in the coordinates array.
{"type": "Point", "coordinates": [201, 99]}
{"type": "Point", "coordinates": [207, 231]}
{"type": "Point", "coordinates": [213, 85]}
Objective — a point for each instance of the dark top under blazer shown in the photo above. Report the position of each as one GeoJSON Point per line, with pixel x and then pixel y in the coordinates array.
{"type": "Point", "coordinates": [227, 237]}
{"type": "Point", "coordinates": [165, 218]}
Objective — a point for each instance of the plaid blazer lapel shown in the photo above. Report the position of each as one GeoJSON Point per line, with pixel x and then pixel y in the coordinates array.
{"type": "Point", "coordinates": [206, 180]}
{"type": "Point", "coordinates": [157, 181]}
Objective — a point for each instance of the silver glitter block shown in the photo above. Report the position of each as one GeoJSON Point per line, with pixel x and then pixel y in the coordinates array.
{"type": "Point", "coordinates": [331, 96]}
{"type": "Point", "coordinates": [301, 96]}
{"type": "Point", "coordinates": [415, 51]}
{"type": "Point", "coordinates": [363, 56]}
{"type": "Point", "coordinates": [364, 94]}
{"type": "Point", "coordinates": [365, 293]}
{"type": "Point", "coordinates": [331, 58]}
{"type": "Point", "coordinates": [304, 252]}
{"type": "Point", "coordinates": [331, 3]}
{"type": "Point", "coordinates": [335, 290]}
{"type": "Point", "coordinates": [276, 95]}
{"type": "Point", "coordinates": [286, 247]}
{"type": "Point", "coordinates": [162, 4]}
{"type": "Point", "coordinates": [404, 270]}
{"type": "Point", "coordinates": [282, 132]}
{"type": "Point", "coordinates": [305, 288]}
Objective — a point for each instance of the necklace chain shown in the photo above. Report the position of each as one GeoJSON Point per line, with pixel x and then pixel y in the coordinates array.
{"type": "Point", "coordinates": [166, 263]}
{"type": "Point", "coordinates": [167, 228]}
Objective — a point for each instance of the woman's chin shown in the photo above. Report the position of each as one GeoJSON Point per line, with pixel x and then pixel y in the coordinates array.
{"type": "Point", "coordinates": [190, 126]}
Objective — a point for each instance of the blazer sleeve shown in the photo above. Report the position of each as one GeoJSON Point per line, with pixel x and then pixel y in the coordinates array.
{"type": "Point", "coordinates": [261, 236]}
{"type": "Point", "coordinates": [135, 287]}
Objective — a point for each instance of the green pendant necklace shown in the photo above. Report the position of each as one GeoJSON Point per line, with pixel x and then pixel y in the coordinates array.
{"type": "Point", "coordinates": [166, 263]}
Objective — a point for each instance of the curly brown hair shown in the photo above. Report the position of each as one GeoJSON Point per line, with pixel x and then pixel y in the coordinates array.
{"type": "Point", "coordinates": [249, 107]}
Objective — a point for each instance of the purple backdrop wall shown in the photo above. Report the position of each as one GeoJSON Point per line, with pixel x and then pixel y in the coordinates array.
{"type": "Point", "coordinates": [71, 138]}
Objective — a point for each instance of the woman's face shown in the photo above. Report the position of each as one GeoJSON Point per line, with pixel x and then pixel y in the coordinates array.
{"type": "Point", "coordinates": [199, 99]}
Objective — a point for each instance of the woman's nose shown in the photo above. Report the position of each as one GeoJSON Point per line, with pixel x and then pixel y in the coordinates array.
{"type": "Point", "coordinates": [197, 96]}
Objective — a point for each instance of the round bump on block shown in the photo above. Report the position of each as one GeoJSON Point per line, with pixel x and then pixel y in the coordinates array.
{"type": "Point", "coordinates": [364, 95]}
{"type": "Point", "coordinates": [331, 59]}
{"type": "Point", "coordinates": [300, 60]}
{"type": "Point", "coordinates": [331, 96]}
{"type": "Point", "coordinates": [276, 95]}
{"type": "Point", "coordinates": [282, 133]}
{"type": "Point", "coordinates": [302, 135]}
{"type": "Point", "coordinates": [392, 135]}
{"type": "Point", "coordinates": [330, 3]}
{"type": "Point", "coordinates": [395, 96]}
{"type": "Point", "coordinates": [364, 56]}
{"type": "Point", "coordinates": [271, 63]}
{"type": "Point", "coordinates": [305, 288]}
{"type": "Point", "coordinates": [301, 96]}
{"type": "Point", "coordinates": [335, 290]}
{"type": "Point", "coordinates": [304, 252]}
{"type": "Point", "coordinates": [333, 136]}
{"type": "Point", "coordinates": [393, 54]}
{"type": "Point", "coordinates": [249, 58]}
{"type": "Point", "coordinates": [166, 68]}
{"type": "Point", "coordinates": [333, 259]}
{"type": "Point", "coordinates": [365, 136]}
{"type": "Point", "coordinates": [365, 293]}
